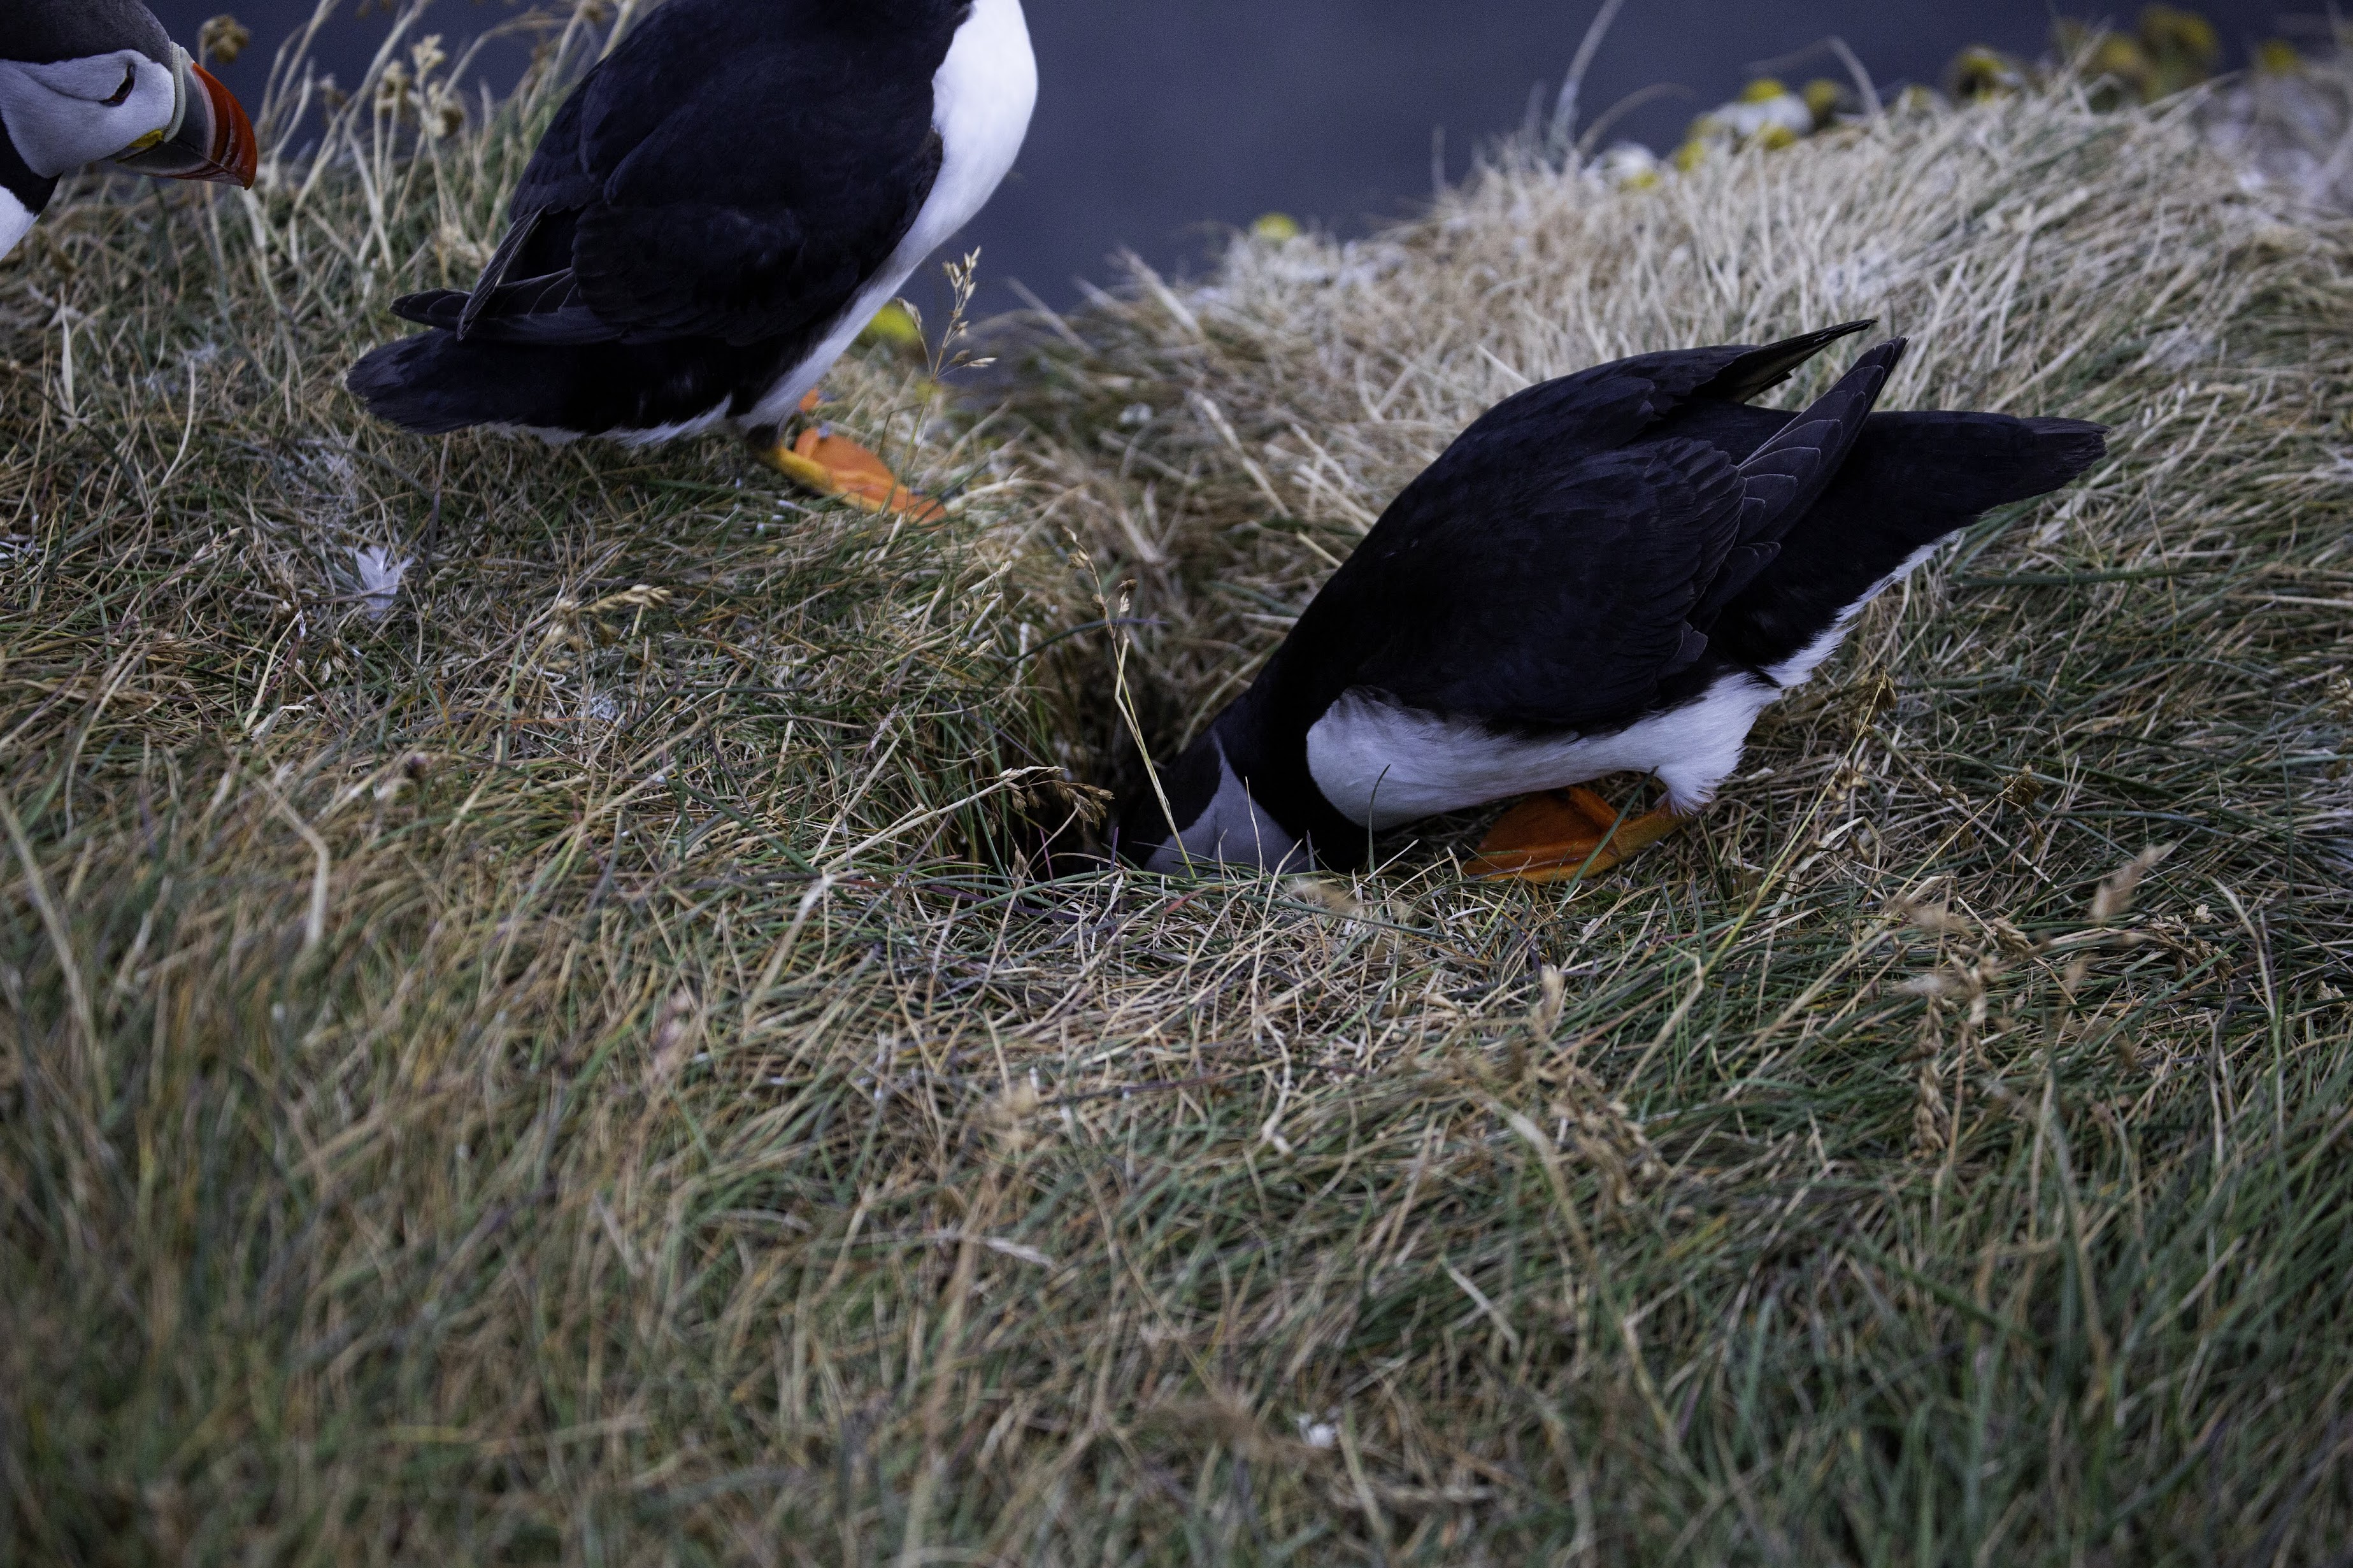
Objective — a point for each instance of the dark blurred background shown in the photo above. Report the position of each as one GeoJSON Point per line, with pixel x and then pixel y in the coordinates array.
{"type": "Point", "coordinates": [1162, 122]}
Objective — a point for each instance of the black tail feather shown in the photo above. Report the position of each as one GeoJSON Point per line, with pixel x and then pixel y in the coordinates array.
{"type": "Point", "coordinates": [440, 308]}
{"type": "Point", "coordinates": [434, 382]}
{"type": "Point", "coordinates": [545, 311]}
{"type": "Point", "coordinates": [1910, 480]}
{"type": "Point", "coordinates": [418, 384]}
{"type": "Point", "coordinates": [1760, 370]}
{"type": "Point", "coordinates": [2060, 449]}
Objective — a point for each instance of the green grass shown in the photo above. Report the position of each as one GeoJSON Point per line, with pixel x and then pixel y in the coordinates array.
{"type": "Point", "coordinates": [592, 1066]}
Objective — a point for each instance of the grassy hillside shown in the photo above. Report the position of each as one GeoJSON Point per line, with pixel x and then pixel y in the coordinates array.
{"type": "Point", "coordinates": [576, 1057]}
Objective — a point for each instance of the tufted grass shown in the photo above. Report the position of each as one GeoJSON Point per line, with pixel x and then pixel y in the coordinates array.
{"type": "Point", "coordinates": [587, 1057]}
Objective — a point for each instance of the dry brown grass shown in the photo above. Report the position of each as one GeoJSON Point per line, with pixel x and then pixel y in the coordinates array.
{"type": "Point", "coordinates": [574, 1068]}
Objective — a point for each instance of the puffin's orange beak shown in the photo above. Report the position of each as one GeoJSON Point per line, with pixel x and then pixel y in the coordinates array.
{"type": "Point", "coordinates": [215, 140]}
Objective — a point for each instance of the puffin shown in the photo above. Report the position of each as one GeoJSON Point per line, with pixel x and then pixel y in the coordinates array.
{"type": "Point", "coordinates": [719, 207]}
{"type": "Point", "coordinates": [85, 81]}
{"type": "Point", "coordinates": [1613, 572]}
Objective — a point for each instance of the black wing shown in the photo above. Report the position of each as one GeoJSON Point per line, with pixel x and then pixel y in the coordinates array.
{"type": "Point", "coordinates": [1788, 474]}
{"type": "Point", "coordinates": [732, 171]}
{"type": "Point", "coordinates": [1556, 590]}
{"type": "Point", "coordinates": [1551, 599]}
{"type": "Point", "coordinates": [1612, 404]}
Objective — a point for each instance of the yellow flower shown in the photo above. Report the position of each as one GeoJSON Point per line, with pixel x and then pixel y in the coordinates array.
{"type": "Point", "coordinates": [1629, 167]}
{"type": "Point", "coordinates": [1977, 73]}
{"type": "Point", "coordinates": [2171, 31]}
{"type": "Point", "coordinates": [2180, 47]}
{"type": "Point", "coordinates": [2277, 57]}
{"type": "Point", "coordinates": [895, 327]}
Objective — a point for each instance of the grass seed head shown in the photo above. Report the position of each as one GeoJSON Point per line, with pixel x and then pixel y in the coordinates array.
{"type": "Point", "coordinates": [1328, 894]}
{"type": "Point", "coordinates": [1937, 916]}
{"type": "Point", "coordinates": [2114, 900]}
{"type": "Point", "coordinates": [1007, 1117]}
{"type": "Point", "coordinates": [222, 39]}
{"type": "Point", "coordinates": [676, 1033]}
{"type": "Point", "coordinates": [1552, 997]}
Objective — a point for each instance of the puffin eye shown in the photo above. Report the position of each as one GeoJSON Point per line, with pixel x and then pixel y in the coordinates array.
{"type": "Point", "coordinates": [122, 93]}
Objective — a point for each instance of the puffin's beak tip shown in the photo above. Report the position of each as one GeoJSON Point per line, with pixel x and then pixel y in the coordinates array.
{"type": "Point", "coordinates": [236, 152]}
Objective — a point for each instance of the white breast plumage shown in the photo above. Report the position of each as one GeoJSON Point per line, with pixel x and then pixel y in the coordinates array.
{"type": "Point", "coordinates": [1385, 765]}
{"type": "Point", "coordinates": [981, 102]}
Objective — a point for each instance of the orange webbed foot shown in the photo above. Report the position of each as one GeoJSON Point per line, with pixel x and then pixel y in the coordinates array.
{"type": "Point", "coordinates": [1566, 833]}
{"type": "Point", "coordinates": [836, 466]}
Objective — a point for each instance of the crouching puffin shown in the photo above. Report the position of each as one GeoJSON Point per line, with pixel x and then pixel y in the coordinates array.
{"type": "Point", "coordinates": [1613, 572]}
{"type": "Point", "coordinates": [719, 207]}
{"type": "Point", "coordinates": [82, 82]}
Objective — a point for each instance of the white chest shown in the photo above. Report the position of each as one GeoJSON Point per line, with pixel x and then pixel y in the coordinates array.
{"type": "Point", "coordinates": [982, 96]}
{"type": "Point", "coordinates": [981, 102]}
{"type": "Point", "coordinates": [1383, 765]}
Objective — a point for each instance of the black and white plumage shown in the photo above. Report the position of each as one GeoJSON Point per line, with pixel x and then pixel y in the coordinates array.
{"type": "Point", "coordinates": [85, 81]}
{"type": "Point", "coordinates": [719, 207]}
{"type": "Point", "coordinates": [1615, 571]}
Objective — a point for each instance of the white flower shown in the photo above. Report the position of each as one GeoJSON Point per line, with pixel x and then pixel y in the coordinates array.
{"type": "Point", "coordinates": [1629, 163]}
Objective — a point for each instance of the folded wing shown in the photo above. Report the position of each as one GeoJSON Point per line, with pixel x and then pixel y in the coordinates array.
{"type": "Point", "coordinates": [1533, 590]}
{"type": "Point", "coordinates": [711, 178]}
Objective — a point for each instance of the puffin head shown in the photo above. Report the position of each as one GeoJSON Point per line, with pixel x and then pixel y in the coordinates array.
{"type": "Point", "coordinates": [1215, 820]}
{"type": "Point", "coordinates": [85, 81]}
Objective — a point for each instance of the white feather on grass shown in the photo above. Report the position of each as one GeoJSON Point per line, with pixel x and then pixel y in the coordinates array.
{"type": "Point", "coordinates": [380, 577]}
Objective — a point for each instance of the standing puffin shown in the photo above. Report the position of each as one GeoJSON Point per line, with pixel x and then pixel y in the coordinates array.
{"type": "Point", "coordinates": [82, 82]}
{"type": "Point", "coordinates": [720, 206]}
{"type": "Point", "coordinates": [1613, 572]}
